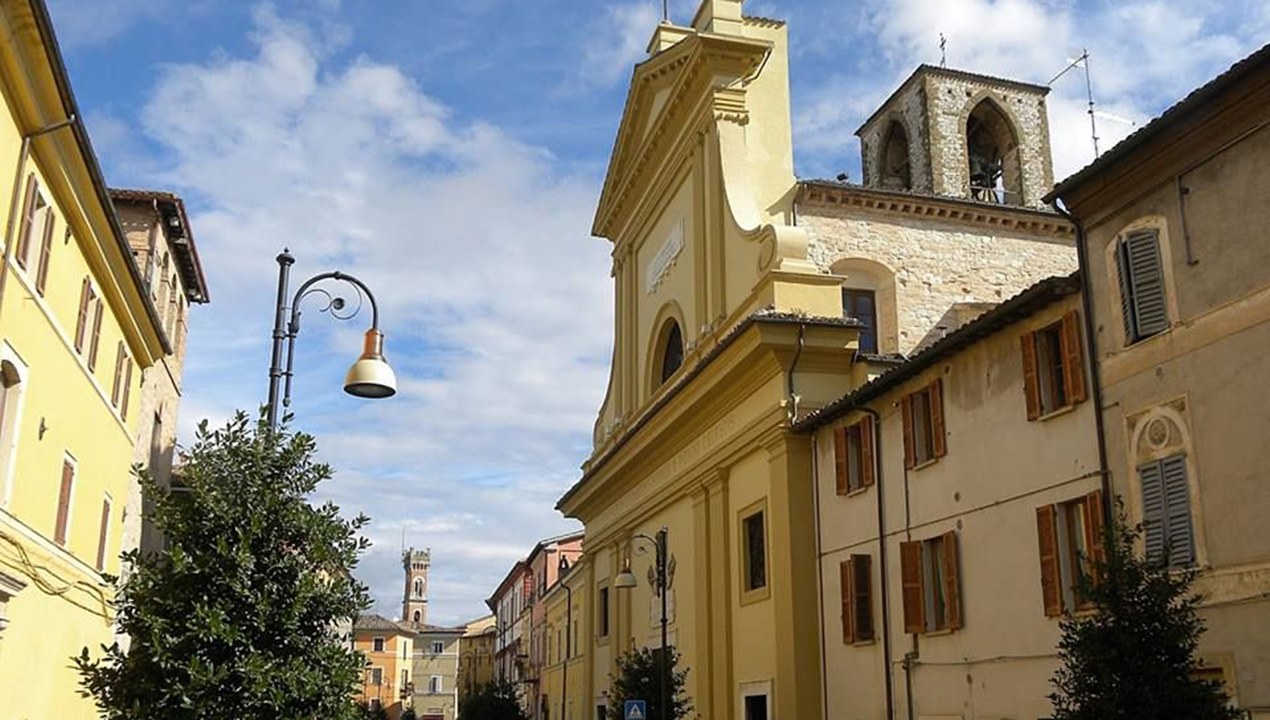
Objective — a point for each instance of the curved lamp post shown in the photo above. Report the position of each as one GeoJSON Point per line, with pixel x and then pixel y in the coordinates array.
{"type": "Point", "coordinates": [370, 376]}
{"type": "Point", "coordinates": [660, 577]}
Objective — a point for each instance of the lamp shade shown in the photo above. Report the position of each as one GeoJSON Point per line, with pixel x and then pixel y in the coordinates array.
{"type": "Point", "coordinates": [371, 376]}
{"type": "Point", "coordinates": [625, 580]}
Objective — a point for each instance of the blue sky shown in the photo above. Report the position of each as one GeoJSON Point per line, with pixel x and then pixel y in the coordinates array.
{"type": "Point", "coordinates": [450, 153]}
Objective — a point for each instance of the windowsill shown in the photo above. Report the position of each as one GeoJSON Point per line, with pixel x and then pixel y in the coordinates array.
{"type": "Point", "coordinates": [864, 643]}
{"type": "Point", "coordinates": [601, 640]}
{"type": "Point", "coordinates": [925, 464]}
{"type": "Point", "coordinates": [853, 493]}
{"type": "Point", "coordinates": [1057, 413]}
{"type": "Point", "coordinates": [1141, 342]}
{"type": "Point", "coordinates": [939, 633]}
{"type": "Point", "coordinates": [749, 597]}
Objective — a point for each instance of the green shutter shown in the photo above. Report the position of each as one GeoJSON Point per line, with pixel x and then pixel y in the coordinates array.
{"type": "Point", "coordinates": [1177, 500]}
{"type": "Point", "coordinates": [1154, 518]}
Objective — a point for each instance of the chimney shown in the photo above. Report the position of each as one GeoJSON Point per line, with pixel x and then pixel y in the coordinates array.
{"type": "Point", "coordinates": [722, 17]}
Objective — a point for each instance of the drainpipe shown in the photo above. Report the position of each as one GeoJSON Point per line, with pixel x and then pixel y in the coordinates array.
{"type": "Point", "coordinates": [792, 411]}
{"type": "Point", "coordinates": [820, 574]}
{"type": "Point", "coordinates": [886, 604]}
{"type": "Point", "coordinates": [18, 187]}
{"type": "Point", "coordinates": [910, 658]}
{"type": "Point", "coordinates": [1095, 372]}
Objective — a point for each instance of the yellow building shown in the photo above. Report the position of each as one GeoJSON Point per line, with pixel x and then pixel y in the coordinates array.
{"type": "Point", "coordinates": [476, 656]}
{"type": "Point", "coordinates": [388, 678]}
{"type": "Point", "coordinates": [77, 330]}
{"type": "Point", "coordinates": [565, 692]}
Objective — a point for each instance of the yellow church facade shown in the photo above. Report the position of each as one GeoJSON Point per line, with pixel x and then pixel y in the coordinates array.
{"type": "Point", "coordinates": [76, 331]}
{"type": "Point", "coordinates": [745, 299]}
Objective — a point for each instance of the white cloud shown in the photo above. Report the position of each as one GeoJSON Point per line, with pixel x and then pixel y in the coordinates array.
{"type": "Point", "coordinates": [496, 303]}
{"type": "Point", "coordinates": [617, 40]}
{"type": "Point", "coordinates": [96, 22]}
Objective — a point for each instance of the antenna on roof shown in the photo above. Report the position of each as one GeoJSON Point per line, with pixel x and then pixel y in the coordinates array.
{"type": "Point", "coordinates": [665, 10]}
{"type": "Point", "coordinates": [1083, 61]}
{"type": "Point", "coordinates": [943, 51]}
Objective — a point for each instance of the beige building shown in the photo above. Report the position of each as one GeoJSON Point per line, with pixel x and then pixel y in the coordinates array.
{"type": "Point", "coordinates": [933, 484]}
{"type": "Point", "coordinates": [746, 298]}
{"type": "Point", "coordinates": [162, 241]}
{"type": "Point", "coordinates": [436, 671]}
{"type": "Point", "coordinates": [1173, 233]}
{"type": "Point", "coordinates": [476, 656]}
{"type": "Point", "coordinates": [387, 679]}
{"type": "Point", "coordinates": [565, 695]}
{"type": "Point", "coordinates": [543, 564]}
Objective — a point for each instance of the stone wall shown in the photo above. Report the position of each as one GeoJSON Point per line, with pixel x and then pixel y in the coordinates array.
{"type": "Point", "coordinates": [932, 265]}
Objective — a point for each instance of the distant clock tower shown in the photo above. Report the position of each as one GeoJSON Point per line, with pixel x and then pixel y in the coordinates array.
{"type": "Point", "coordinates": [414, 609]}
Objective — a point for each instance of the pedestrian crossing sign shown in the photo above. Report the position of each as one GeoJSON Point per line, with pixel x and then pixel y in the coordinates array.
{"type": "Point", "coordinates": [636, 710]}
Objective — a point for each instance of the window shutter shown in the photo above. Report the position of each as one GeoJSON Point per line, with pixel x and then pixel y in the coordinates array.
{"type": "Point", "coordinates": [127, 388]}
{"type": "Point", "coordinates": [1154, 520]}
{"type": "Point", "coordinates": [85, 295]}
{"type": "Point", "coordinates": [1073, 359]}
{"type": "Point", "coordinates": [911, 587]}
{"type": "Point", "coordinates": [46, 251]}
{"type": "Point", "coordinates": [114, 390]}
{"type": "Point", "coordinates": [845, 576]}
{"type": "Point", "coordinates": [952, 583]}
{"type": "Point", "coordinates": [1177, 500]}
{"type": "Point", "coordinates": [862, 597]}
{"type": "Point", "coordinates": [28, 220]}
{"type": "Point", "coordinates": [909, 451]}
{"type": "Point", "coordinates": [938, 441]}
{"type": "Point", "coordinates": [1146, 283]}
{"type": "Point", "coordinates": [1051, 574]}
{"type": "Point", "coordinates": [1094, 533]}
{"type": "Point", "coordinates": [95, 341]}
{"type": "Point", "coordinates": [64, 503]}
{"type": "Point", "coordinates": [1126, 293]}
{"type": "Point", "coordinates": [103, 534]}
{"type": "Point", "coordinates": [1031, 378]}
{"type": "Point", "coordinates": [840, 459]}
{"type": "Point", "coordinates": [868, 462]}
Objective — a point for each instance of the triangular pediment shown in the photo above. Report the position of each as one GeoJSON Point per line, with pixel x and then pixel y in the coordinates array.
{"type": "Point", "coordinates": [664, 81]}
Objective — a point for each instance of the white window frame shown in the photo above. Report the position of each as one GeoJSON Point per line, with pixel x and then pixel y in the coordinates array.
{"type": "Point", "coordinates": [436, 685]}
{"type": "Point", "coordinates": [70, 501]}
{"type": "Point", "coordinates": [378, 644]}
{"type": "Point", "coordinates": [104, 538]}
{"type": "Point", "coordinates": [11, 424]}
{"type": "Point", "coordinates": [438, 647]}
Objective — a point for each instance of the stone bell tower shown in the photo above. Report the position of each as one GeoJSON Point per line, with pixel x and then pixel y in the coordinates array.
{"type": "Point", "coordinates": [414, 608]}
{"type": "Point", "coordinates": [961, 134]}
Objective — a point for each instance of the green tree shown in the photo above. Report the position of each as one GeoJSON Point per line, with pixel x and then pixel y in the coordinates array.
{"type": "Point", "coordinates": [495, 700]}
{"type": "Point", "coordinates": [1134, 658]}
{"type": "Point", "coordinates": [639, 678]}
{"type": "Point", "coordinates": [236, 619]}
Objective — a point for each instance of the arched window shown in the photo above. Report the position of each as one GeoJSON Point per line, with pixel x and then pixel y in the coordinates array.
{"type": "Point", "coordinates": [992, 152]}
{"type": "Point", "coordinates": [418, 587]}
{"type": "Point", "coordinates": [895, 171]}
{"type": "Point", "coordinates": [10, 392]}
{"type": "Point", "coordinates": [418, 616]}
{"type": "Point", "coordinates": [672, 350]}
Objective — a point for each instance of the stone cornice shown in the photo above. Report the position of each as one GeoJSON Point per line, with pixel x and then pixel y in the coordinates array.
{"type": "Point", "coordinates": [704, 64]}
{"type": "Point", "coordinates": [934, 207]}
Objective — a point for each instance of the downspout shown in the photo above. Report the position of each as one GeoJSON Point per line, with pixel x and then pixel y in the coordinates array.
{"type": "Point", "coordinates": [792, 411]}
{"type": "Point", "coordinates": [1095, 372]}
{"type": "Point", "coordinates": [23, 154]}
{"type": "Point", "coordinates": [886, 604]}
{"type": "Point", "coordinates": [910, 658]}
{"type": "Point", "coordinates": [820, 574]}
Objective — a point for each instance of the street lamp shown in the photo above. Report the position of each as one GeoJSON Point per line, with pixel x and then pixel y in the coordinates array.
{"type": "Point", "coordinates": [370, 376]}
{"type": "Point", "coordinates": [660, 577]}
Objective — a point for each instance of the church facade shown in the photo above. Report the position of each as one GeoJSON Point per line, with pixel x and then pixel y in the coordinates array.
{"type": "Point", "coordinates": [747, 299]}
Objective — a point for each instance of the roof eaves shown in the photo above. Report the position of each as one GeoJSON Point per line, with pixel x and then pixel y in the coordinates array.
{"type": "Point", "coordinates": [1017, 308]}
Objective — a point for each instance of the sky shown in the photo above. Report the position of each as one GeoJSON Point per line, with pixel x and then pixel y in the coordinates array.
{"type": "Point", "coordinates": [450, 154]}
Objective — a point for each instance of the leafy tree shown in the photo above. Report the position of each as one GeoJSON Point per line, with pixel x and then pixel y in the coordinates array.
{"type": "Point", "coordinates": [639, 678]}
{"type": "Point", "coordinates": [1134, 658]}
{"type": "Point", "coordinates": [496, 700]}
{"type": "Point", "coordinates": [236, 619]}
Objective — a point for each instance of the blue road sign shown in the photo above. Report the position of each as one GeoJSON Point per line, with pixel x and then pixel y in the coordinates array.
{"type": "Point", "coordinates": [636, 710]}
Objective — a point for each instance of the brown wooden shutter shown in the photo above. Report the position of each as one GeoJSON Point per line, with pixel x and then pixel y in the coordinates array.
{"type": "Point", "coordinates": [1051, 574]}
{"type": "Point", "coordinates": [64, 502]}
{"type": "Point", "coordinates": [911, 587]}
{"type": "Point", "coordinates": [95, 341]}
{"type": "Point", "coordinates": [862, 597]}
{"type": "Point", "coordinates": [1031, 377]}
{"type": "Point", "coordinates": [28, 220]}
{"type": "Point", "coordinates": [46, 252]}
{"type": "Point", "coordinates": [114, 390]}
{"type": "Point", "coordinates": [85, 296]}
{"type": "Point", "coordinates": [938, 441]}
{"type": "Point", "coordinates": [1094, 531]}
{"type": "Point", "coordinates": [952, 583]}
{"type": "Point", "coordinates": [127, 388]}
{"type": "Point", "coordinates": [847, 593]}
{"type": "Point", "coordinates": [1073, 359]}
{"type": "Point", "coordinates": [103, 534]}
{"type": "Point", "coordinates": [840, 459]}
{"type": "Point", "coordinates": [867, 461]}
{"type": "Point", "coordinates": [910, 453]}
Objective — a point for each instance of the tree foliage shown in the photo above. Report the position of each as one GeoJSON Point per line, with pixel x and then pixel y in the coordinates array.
{"type": "Point", "coordinates": [639, 678]}
{"type": "Point", "coordinates": [1134, 657]}
{"type": "Point", "coordinates": [236, 619]}
{"type": "Point", "coordinates": [496, 700]}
